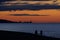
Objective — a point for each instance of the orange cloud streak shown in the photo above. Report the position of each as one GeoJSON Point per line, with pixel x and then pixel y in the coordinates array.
{"type": "Point", "coordinates": [54, 16]}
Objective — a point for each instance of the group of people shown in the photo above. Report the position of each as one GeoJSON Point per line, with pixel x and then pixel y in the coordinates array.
{"type": "Point", "coordinates": [41, 32]}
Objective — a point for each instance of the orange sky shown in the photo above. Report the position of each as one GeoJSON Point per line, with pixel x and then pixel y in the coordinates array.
{"type": "Point", "coordinates": [54, 16]}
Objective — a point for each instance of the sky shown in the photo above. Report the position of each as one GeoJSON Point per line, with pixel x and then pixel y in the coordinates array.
{"type": "Point", "coordinates": [53, 16]}
{"type": "Point", "coordinates": [23, 0]}
{"type": "Point", "coordinates": [41, 16]}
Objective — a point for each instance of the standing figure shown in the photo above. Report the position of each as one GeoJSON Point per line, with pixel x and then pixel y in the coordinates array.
{"type": "Point", "coordinates": [41, 33]}
{"type": "Point", "coordinates": [36, 32]}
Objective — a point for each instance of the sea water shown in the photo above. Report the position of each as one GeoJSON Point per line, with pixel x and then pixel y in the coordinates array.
{"type": "Point", "coordinates": [52, 30]}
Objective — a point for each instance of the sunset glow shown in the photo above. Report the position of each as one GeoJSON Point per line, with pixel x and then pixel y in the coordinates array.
{"type": "Point", "coordinates": [54, 16]}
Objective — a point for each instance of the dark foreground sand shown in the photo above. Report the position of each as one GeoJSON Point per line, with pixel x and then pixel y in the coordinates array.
{"type": "Point", "coordinates": [10, 35]}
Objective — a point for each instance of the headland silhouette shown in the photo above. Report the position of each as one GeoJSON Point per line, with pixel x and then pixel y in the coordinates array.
{"type": "Point", "coordinates": [8, 21]}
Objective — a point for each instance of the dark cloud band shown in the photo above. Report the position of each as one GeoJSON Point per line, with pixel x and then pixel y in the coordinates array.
{"type": "Point", "coordinates": [27, 15]}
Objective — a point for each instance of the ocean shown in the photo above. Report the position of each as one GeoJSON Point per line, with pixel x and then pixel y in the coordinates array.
{"type": "Point", "coordinates": [52, 30]}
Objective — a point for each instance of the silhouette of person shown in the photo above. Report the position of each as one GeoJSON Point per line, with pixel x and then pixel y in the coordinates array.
{"type": "Point", "coordinates": [36, 32]}
{"type": "Point", "coordinates": [41, 32]}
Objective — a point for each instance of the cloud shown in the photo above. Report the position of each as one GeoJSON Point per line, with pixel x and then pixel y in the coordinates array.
{"type": "Point", "coordinates": [23, 0]}
{"type": "Point", "coordinates": [35, 0]}
{"type": "Point", "coordinates": [5, 0]}
{"type": "Point", "coordinates": [26, 0]}
{"type": "Point", "coordinates": [27, 15]}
